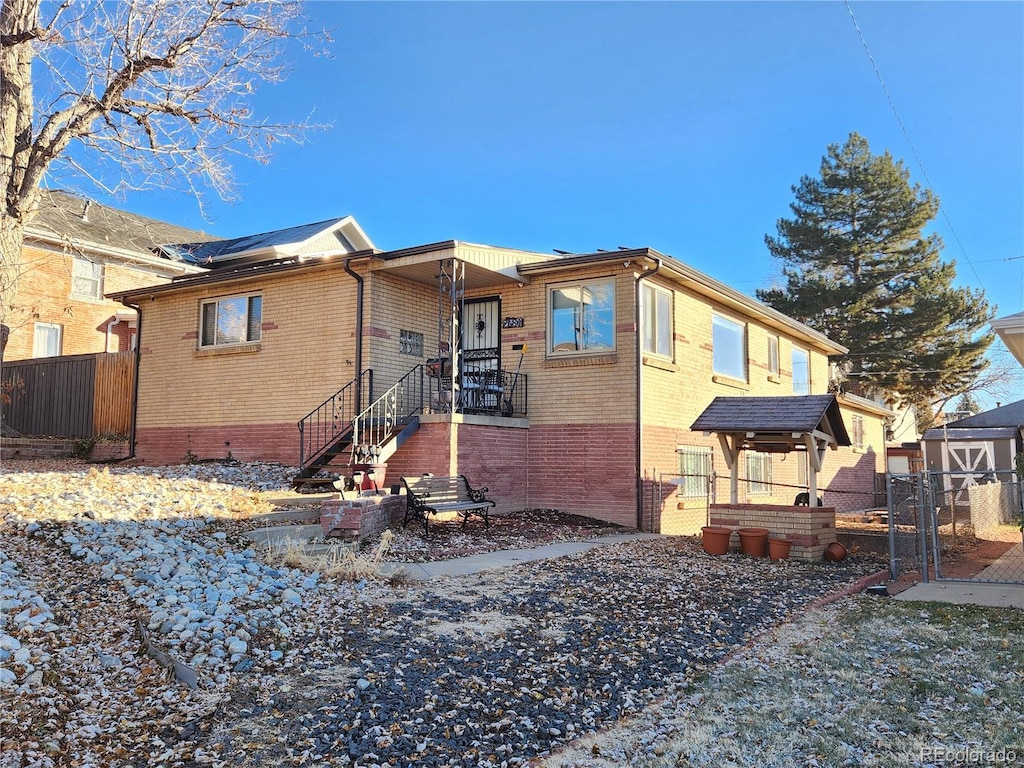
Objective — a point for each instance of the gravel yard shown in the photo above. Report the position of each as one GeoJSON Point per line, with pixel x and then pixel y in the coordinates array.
{"type": "Point", "coordinates": [296, 668]}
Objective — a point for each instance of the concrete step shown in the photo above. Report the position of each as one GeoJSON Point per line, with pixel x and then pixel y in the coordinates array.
{"type": "Point", "coordinates": [305, 500]}
{"type": "Point", "coordinates": [281, 535]}
{"type": "Point", "coordinates": [290, 515]}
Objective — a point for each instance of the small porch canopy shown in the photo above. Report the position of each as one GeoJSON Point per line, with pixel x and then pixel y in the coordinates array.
{"type": "Point", "coordinates": [808, 423]}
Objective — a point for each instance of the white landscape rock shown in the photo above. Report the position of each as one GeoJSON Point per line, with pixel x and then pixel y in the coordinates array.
{"type": "Point", "coordinates": [151, 535]}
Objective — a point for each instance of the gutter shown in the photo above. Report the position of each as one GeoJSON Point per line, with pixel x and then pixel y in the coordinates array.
{"type": "Point", "coordinates": [639, 399]}
{"type": "Point", "coordinates": [359, 333]}
{"type": "Point", "coordinates": [135, 376]}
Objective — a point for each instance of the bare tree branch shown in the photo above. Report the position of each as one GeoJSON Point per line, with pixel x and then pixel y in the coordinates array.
{"type": "Point", "coordinates": [128, 93]}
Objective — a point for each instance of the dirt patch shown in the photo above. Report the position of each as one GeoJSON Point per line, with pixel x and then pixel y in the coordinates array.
{"type": "Point", "coordinates": [525, 529]}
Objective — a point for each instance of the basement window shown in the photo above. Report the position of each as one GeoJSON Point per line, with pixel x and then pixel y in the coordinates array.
{"type": "Point", "coordinates": [231, 321]}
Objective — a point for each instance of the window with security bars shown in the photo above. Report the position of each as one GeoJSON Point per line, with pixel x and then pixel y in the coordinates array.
{"type": "Point", "coordinates": [759, 473]}
{"type": "Point", "coordinates": [230, 321]}
{"type": "Point", "coordinates": [695, 469]}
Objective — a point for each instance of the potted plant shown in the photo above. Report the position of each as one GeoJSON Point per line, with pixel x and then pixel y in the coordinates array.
{"type": "Point", "coordinates": [715, 539]}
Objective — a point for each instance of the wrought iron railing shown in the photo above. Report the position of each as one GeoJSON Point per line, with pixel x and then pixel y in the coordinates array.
{"type": "Point", "coordinates": [325, 424]}
{"type": "Point", "coordinates": [479, 390]}
{"type": "Point", "coordinates": [373, 427]}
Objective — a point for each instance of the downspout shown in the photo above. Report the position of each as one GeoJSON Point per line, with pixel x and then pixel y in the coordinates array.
{"type": "Point", "coordinates": [639, 399]}
{"type": "Point", "coordinates": [135, 375]}
{"type": "Point", "coordinates": [110, 333]}
{"type": "Point", "coordinates": [359, 334]}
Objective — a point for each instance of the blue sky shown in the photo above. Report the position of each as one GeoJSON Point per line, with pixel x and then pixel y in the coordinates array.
{"type": "Point", "coordinates": [676, 125]}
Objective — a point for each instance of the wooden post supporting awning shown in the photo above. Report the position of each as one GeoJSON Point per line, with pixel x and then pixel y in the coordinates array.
{"type": "Point", "coordinates": [810, 423]}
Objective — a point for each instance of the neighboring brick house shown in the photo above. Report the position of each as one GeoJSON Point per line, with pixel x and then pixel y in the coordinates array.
{"type": "Point", "coordinates": [75, 251]}
{"type": "Point", "coordinates": [575, 380]}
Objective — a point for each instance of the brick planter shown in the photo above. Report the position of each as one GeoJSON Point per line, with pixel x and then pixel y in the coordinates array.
{"type": "Point", "coordinates": [809, 529]}
{"type": "Point", "coordinates": [362, 517]}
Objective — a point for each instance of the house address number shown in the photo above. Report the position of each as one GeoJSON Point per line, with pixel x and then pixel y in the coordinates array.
{"type": "Point", "coordinates": [512, 322]}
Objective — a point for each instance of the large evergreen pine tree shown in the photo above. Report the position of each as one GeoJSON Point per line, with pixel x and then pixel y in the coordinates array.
{"type": "Point", "coordinates": [858, 267]}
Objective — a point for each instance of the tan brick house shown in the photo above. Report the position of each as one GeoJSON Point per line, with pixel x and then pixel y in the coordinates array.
{"type": "Point", "coordinates": [572, 386]}
{"type": "Point", "coordinates": [75, 251]}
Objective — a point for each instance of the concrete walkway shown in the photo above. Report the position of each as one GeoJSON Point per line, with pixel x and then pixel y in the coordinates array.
{"type": "Point", "coordinates": [967, 593]}
{"type": "Point", "coordinates": [980, 590]}
{"type": "Point", "coordinates": [460, 566]}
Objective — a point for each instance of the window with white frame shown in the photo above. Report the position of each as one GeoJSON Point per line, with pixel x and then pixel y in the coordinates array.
{"type": "Point", "coordinates": [657, 320]}
{"type": "Point", "coordinates": [857, 431]}
{"type": "Point", "coordinates": [729, 347]}
{"type": "Point", "coordinates": [695, 471]}
{"type": "Point", "coordinates": [773, 355]}
{"type": "Point", "coordinates": [86, 279]}
{"type": "Point", "coordinates": [759, 473]}
{"type": "Point", "coordinates": [47, 339]}
{"type": "Point", "coordinates": [801, 459]}
{"type": "Point", "coordinates": [581, 317]}
{"type": "Point", "coordinates": [231, 320]}
{"type": "Point", "coordinates": [801, 371]}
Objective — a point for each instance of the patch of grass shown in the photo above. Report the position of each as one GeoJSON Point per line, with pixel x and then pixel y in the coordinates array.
{"type": "Point", "coordinates": [338, 563]}
{"type": "Point", "coordinates": [863, 682]}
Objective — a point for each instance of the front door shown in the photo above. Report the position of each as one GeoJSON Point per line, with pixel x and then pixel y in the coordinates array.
{"type": "Point", "coordinates": [481, 354]}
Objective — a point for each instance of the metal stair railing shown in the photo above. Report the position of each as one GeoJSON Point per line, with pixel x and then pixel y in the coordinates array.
{"type": "Point", "coordinates": [325, 424]}
{"type": "Point", "coordinates": [372, 428]}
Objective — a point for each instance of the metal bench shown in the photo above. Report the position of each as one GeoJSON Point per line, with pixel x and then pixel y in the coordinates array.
{"type": "Point", "coordinates": [431, 495]}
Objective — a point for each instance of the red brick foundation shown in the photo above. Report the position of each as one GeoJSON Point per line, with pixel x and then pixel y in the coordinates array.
{"type": "Point", "coordinates": [245, 442]}
{"type": "Point", "coordinates": [362, 517]}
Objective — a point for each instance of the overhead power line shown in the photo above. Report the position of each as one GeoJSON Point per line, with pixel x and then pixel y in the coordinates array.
{"type": "Point", "coordinates": [906, 135]}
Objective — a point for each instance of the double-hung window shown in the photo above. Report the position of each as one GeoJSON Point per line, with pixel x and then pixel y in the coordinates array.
{"type": "Point", "coordinates": [231, 320]}
{"type": "Point", "coordinates": [759, 473]}
{"type": "Point", "coordinates": [801, 371]}
{"type": "Point", "coordinates": [729, 347]}
{"type": "Point", "coordinates": [657, 320]}
{"type": "Point", "coordinates": [86, 279]}
{"type": "Point", "coordinates": [695, 471]}
{"type": "Point", "coordinates": [581, 317]}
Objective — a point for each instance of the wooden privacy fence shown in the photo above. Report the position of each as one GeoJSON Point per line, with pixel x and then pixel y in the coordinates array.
{"type": "Point", "coordinates": [73, 396]}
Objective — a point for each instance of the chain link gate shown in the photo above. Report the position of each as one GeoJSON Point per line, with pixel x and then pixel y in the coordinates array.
{"type": "Point", "coordinates": [957, 526]}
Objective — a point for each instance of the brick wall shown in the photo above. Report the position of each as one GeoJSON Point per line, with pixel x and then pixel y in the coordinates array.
{"type": "Point", "coordinates": [584, 469]}
{"type": "Point", "coordinates": [45, 288]}
{"type": "Point", "coordinates": [305, 354]}
{"type": "Point", "coordinates": [809, 529]}
{"type": "Point", "coordinates": [361, 518]}
{"type": "Point", "coordinates": [246, 442]}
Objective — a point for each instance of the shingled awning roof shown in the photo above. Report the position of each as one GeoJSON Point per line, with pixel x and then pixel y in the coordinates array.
{"type": "Point", "coordinates": [808, 423]}
{"type": "Point", "coordinates": [772, 421]}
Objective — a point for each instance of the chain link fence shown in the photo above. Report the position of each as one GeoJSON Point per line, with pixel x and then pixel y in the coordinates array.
{"type": "Point", "coordinates": [678, 503]}
{"type": "Point", "coordinates": [957, 525]}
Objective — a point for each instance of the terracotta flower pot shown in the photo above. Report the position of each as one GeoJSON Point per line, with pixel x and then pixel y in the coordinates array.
{"type": "Point", "coordinates": [715, 539]}
{"type": "Point", "coordinates": [835, 552]}
{"type": "Point", "coordinates": [778, 549]}
{"type": "Point", "coordinates": [754, 541]}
